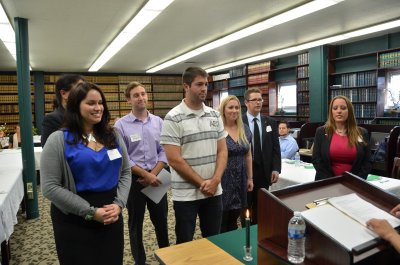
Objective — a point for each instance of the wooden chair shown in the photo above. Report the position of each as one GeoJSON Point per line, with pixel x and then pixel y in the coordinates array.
{"type": "Point", "coordinates": [396, 168]}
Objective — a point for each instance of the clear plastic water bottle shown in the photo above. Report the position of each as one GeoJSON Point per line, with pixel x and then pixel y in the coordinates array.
{"type": "Point", "coordinates": [297, 159]}
{"type": "Point", "coordinates": [296, 238]}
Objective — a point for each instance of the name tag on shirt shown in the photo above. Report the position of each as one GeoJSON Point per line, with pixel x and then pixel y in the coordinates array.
{"type": "Point", "coordinates": [113, 154]}
{"type": "Point", "coordinates": [360, 139]}
{"type": "Point", "coordinates": [135, 137]}
{"type": "Point", "coordinates": [268, 129]}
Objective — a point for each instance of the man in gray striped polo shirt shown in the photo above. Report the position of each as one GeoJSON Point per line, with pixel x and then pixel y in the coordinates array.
{"type": "Point", "coordinates": [193, 137]}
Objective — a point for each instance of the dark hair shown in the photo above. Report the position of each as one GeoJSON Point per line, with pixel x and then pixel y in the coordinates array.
{"type": "Point", "coordinates": [65, 82]}
{"type": "Point", "coordinates": [131, 86]}
{"type": "Point", "coordinates": [73, 119]}
{"type": "Point", "coordinates": [251, 91]}
{"type": "Point", "coordinates": [284, 122]}
{"type": "Point", "coordinates": [191, 73]}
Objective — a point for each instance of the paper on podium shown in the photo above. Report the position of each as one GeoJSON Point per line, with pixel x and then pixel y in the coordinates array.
{"type": "Point", "coordinates": [156, 193]}
{"type": "Point", "coordinates": [343, 227]}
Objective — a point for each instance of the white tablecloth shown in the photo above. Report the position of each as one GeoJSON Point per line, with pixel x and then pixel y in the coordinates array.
{"type": "Point", "coordinates": [292, 175]}
{"type": "Point", "coordinates": [388, 184]}
{"type": "Point", "coordinates": [11, 191]}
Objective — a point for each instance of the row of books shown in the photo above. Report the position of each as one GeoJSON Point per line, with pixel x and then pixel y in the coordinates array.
{"type": "Point", "coordinates": [303, 110]}
{"type": "Point", "coordinates": [48, 107]}
{"type": "Point", "coordinates": [12, 118]}
{"type": "Point", "coordinates": [167, 88]}
{"type": "Point", "coordinates": [9, 108]}
{"type": "Point", "coordinates": [239, 92]}
{"type": "Point", "coordinates": [222, 84]}
{"type": "Point", "coordinates": [238, 71]}
{"type": "Point", "coordinates": [138, 78]}
{"type": "Point", "coordinates": [357, 95]}
{"type": "Point", "coordinates": [166, 104]}
{"type": "Point", "coordinates": [363, 121]}
{"type": "Point", "coordinates": [303, 85]}
{"type": "Point", "coordinates": [389, 59]}
{"type": "Point", "coordinates": [12, 99]}
{"type": "Point", "coordinates": [365, 110]}
{"type": "Point", "coordinates": [109, 79]}
{"type": "Point", "coordinates": [303, 58]}
{"type": "Point", "coordinates": [302, 72]}
{"type": "Point", "coordinates": [259, 67]}
{"type": "Point", "coordinates": [11, 89]}
{"type": "Point", "coordinates": [257, 79]}
{"type": "Point", "coordinates": [303, 98]}
{"type": "Point", "coordinates": [263, 88]}
{"type": "Point", "coordinates": [171, 80]}
{"type": "Point", "coordinates": [167, 96]}
{"type": "Point", "coordinates": [359, 79]}
{"type": "Point", "coordinates": [113, 105]}
{"type": "Point", "coordinates": [241, 81]}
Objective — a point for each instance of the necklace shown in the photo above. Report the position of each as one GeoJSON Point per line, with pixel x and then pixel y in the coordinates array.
{"type": "Point", "coordinates": [341, 132]}
{"type": "Point", "coordinates": [89, 137]}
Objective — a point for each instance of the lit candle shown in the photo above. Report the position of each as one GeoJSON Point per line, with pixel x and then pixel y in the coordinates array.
{"type": "Point", "coordinates": [247, 221]}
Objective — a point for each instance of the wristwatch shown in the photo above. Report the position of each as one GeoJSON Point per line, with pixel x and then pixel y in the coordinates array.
{"type": "Point", "coordinates": [90, 215]}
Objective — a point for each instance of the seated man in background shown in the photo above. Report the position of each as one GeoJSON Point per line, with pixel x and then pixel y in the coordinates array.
{"type": "Point", "coordinates": [288, 144]}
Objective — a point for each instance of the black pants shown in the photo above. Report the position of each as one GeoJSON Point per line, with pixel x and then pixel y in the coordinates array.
{"type": "Point", "coordinates": [259, 177]}
{"type": "Point", "coordinates": [230, 219]}
{"type": "Point", "coordinates": [158, 215]}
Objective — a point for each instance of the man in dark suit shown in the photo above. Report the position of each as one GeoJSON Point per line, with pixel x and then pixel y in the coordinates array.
{"type": "Point", "coordinates": [266, 149]}
{"type": "Point", "coordinates": [54, 120]}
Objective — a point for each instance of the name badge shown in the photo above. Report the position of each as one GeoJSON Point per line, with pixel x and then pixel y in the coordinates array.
{"type": "Point", "coordinates": [135, 137]}
{"type": "Point", "coordinates": [113, 154]}
{"type": "Point", "coordinates": [360, 139]}
{"type": "Point", "coordinates": [268, 129]}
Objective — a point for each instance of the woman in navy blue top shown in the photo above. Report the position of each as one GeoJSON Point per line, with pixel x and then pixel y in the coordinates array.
{"type": "Point", "coordinates": [86, 176]}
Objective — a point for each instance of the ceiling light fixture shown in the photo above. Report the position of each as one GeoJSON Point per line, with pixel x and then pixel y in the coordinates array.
{"type": "Point", "coordinates": [308, 45]}
{"type": "Point", "coordinates": [149, 12]}
{"type": "Point", "coordinates": [292, 14]}
{"type": "Point", "coordinates": [7, 34]}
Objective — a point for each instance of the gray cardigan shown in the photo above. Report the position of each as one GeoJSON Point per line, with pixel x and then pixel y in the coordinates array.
{"type": "Point", "coordinates": [58, 184]}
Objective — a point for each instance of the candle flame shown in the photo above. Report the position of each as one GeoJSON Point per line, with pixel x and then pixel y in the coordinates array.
{"type": "Point", "coordinates": [247, 213]}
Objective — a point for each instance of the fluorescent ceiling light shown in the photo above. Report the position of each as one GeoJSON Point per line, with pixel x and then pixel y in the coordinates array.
{"type": "Point", "coordinates": [292, 14]}
{"type": "Point", "coordinates": [7, 34]}
{"type": "Point", "coordinates": [149, 12]}
{"type": "Point", "coordinates": [305, 46]}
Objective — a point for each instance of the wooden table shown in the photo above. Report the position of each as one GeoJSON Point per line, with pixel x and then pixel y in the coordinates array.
{"type": "Point", "coordinates": [225, 248]}
{"type": "Point", "coordinates": [200, 252]}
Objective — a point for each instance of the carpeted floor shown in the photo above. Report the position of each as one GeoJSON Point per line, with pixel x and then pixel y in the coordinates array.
{"type": "Point", "coordinates": [32, 242]}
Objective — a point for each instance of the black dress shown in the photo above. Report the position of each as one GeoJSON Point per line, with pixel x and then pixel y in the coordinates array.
{"type": "Point", "coordinates": [88, 242]}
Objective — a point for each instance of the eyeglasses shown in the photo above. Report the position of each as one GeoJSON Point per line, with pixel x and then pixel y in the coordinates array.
{"type": "Point", "coordinates": [259, 100]}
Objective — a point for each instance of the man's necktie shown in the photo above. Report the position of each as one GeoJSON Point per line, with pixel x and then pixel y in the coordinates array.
{"type": "Point", "coordinates": [257, 143]}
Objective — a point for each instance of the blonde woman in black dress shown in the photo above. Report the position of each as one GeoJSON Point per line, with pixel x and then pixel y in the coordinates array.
{"type": "Point", "coordinates": [238, 176]}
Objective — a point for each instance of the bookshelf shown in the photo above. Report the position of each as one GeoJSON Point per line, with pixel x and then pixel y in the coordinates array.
{"type": "Point", "coordinates": [258, 76]}
{"type": "Point", "coordinates": [164, 92]}
{"type": "Point", "coordinates": [167, 92]}
{"type": "Point", "coordinates": [303, 87]}
{"type": "Point", "coordinates": [9, 105]}
{"type": "Point", "coordinates": [362, 78]}
{"type": "Point", "coordinates": [237, 84]}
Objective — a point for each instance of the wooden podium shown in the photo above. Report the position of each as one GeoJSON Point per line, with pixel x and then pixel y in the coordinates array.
{"type": "Point", "coordinates": [276, 208]}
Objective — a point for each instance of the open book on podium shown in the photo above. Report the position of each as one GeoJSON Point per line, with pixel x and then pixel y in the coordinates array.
{"type": "Point", "coordinates": [344, 218]}
{"type": "Point", "coordinates": [332, 237]}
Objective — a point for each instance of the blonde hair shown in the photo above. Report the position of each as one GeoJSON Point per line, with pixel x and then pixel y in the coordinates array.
{"type": "Point", "coordinates": [353, 132]}
{"type": "Point", "coordinates": [239, 121]}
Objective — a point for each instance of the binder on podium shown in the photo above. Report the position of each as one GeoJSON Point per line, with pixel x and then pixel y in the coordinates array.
{"type": "Point", "coordinates": [276, 208]}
